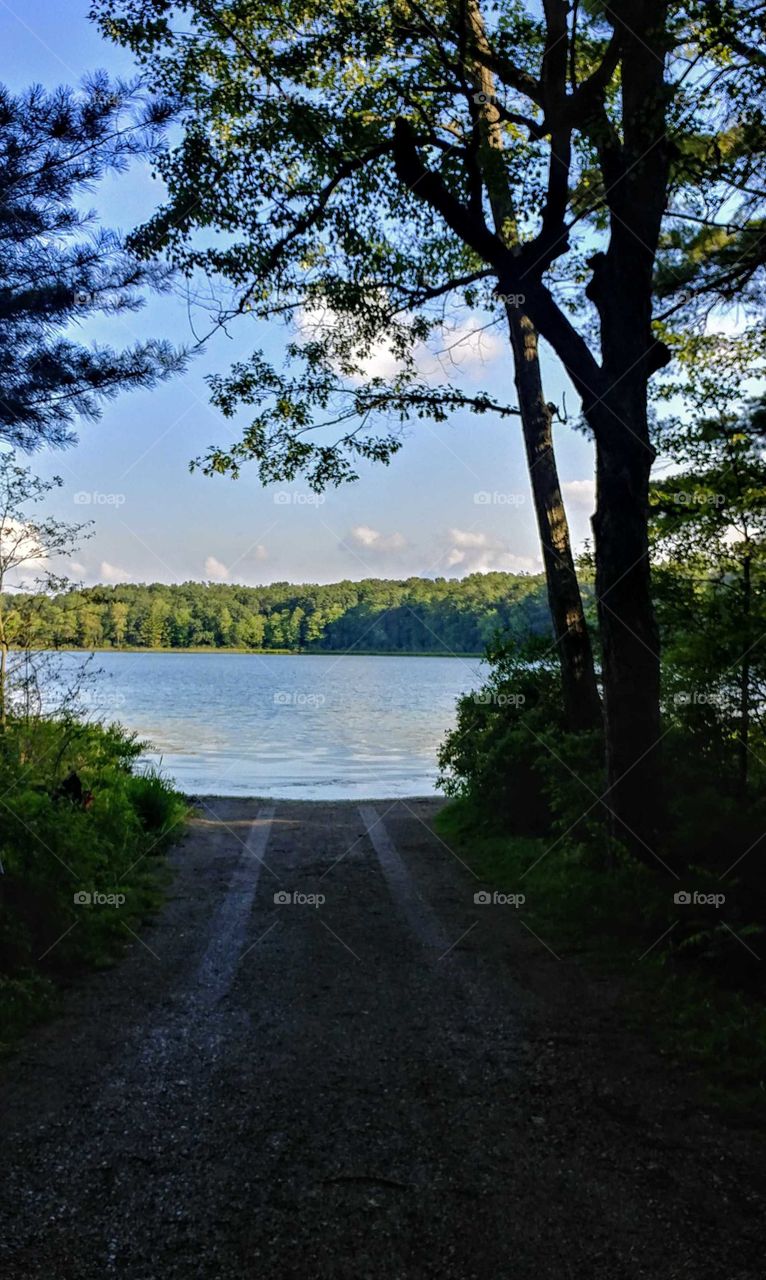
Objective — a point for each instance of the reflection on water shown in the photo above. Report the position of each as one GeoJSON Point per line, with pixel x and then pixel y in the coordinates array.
{"type": "Point", "coordinates": [287, 725]}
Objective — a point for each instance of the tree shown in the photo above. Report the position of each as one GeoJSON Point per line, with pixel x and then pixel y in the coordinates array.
{"type": "Point", "coordinates": [710, 518]}
{"type": "Point", "coordinates": [248, 633]}
{"type": "Point", "coordinates": [90, 632]}
{"type": "Point", "coordinates": [154, 625]}
{"type": "Point", "coordinates": [358, 301]}
{"type": "Point", "coordinates": [25, 542]}
{"type": "Point", "coordinates": [118, 622]}
{"type": "Point", "coordinates": [57, 268]}
{"type": "Point", "coordinates": [715, 254]}
{"type": "Point", "coordinates": [319, 134]}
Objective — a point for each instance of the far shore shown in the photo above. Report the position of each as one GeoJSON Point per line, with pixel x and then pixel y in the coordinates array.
{"type": "Point", "coordinates": [265, 653]}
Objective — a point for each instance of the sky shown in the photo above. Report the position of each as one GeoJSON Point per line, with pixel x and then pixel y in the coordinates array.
{"type": "Point", "coordinates": [455, 500]}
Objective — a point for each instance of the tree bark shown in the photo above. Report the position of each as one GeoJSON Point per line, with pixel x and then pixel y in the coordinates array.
{"type": "Point", "coordinates": [582, 705]}
{"type": "Point", "coordinates": [629, 638]}
{"type": "Point", "coordinates": [636, 170]}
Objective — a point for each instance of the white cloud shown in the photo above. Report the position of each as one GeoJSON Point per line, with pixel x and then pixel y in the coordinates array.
{"type": "Point", "coordinates": [76, 567]}
{"type": "Point", "coordinates": [19, 543]}
{"type": "Point", "coordinates": [466, 347]}
{"type": "Point", "coordinates": [373, 540]}
{"type": "Point", "coordinates": [474, 552]}
{"type": "Point", "coordinates": [112, 573]}
{"type": "Point", "coordinates": [580, 493]}
{"type": "Point", "coordinates": [468, 538]}
{"type": "Point", "coordinates": [215, 569]}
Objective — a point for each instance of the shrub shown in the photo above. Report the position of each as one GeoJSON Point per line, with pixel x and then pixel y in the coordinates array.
{"type": "Point", "coordinates": [77, 818]}
{"type": "Point", "coordinates": [510, 755]}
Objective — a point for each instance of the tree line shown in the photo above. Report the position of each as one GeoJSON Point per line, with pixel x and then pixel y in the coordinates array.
{"type": "Point", "coordinates": [415, 615]}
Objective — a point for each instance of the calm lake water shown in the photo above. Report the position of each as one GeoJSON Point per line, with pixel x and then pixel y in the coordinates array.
{"type": "Point", "coordinates": [299, 726]}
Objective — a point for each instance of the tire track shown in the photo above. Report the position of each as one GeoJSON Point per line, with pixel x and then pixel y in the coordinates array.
{"type": "Point", "coordinates": [218, 966]}
{"type": "Point", "coordinates": [418, 913]}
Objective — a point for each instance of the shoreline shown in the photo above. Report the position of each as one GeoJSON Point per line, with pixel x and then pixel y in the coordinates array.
{"type": "Point", "coordinates": [278, 653]}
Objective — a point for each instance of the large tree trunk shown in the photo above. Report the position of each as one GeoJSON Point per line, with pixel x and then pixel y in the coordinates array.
{"type": "Point", "coordinates": [582, 705]}
{"type": "Point", "coordinates": [636, 172]}
{"type": "Point", "coordinates": [629, 635]}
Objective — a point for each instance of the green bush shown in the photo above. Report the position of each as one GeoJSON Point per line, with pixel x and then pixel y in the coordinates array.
{"type": "Point", "coordinates": [521, 774]}
{"type": "Point", "coordinates": [76, 818]}
{"type": "Point", "coordinates": [510, 755]}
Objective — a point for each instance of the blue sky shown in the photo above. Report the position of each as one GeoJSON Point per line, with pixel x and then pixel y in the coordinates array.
{"type": "Point", "coordinates": [455, 499]}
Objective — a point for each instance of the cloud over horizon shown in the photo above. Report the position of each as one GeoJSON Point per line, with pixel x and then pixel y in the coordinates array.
{"type": "Point", "coordinates": [216, 569]}
{"type": "Point", "coordinates": [375, 541]}
{"type": "Point", "coordinates": [472, 551]}
{"type": "Point", "coordinates": [112, 573]}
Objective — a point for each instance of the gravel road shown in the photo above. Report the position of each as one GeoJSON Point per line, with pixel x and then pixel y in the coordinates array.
{"type": "Point", "coordinates": [376, 1078]}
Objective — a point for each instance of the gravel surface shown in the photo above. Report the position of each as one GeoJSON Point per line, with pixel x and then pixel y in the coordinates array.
{"type": "Point", "coordinates": [394, 1082]}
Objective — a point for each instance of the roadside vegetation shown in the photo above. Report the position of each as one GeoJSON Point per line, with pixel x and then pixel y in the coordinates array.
{"type": "Point", "coordinates": [684, 981]}
{"type": "Point", "coordinates": [82, 831]}
{"type": "Point", "coordinates": [683, 917]}
{"type": "Point", "coordinates": [81, 824]}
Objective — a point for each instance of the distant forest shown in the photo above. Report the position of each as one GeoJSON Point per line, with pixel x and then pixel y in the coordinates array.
{"type": "Point", "coordinates": [417, 615]}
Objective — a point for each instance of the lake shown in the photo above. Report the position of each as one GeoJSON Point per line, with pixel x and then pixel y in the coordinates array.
{"type": "Point", "coordinates": [299, 726]}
